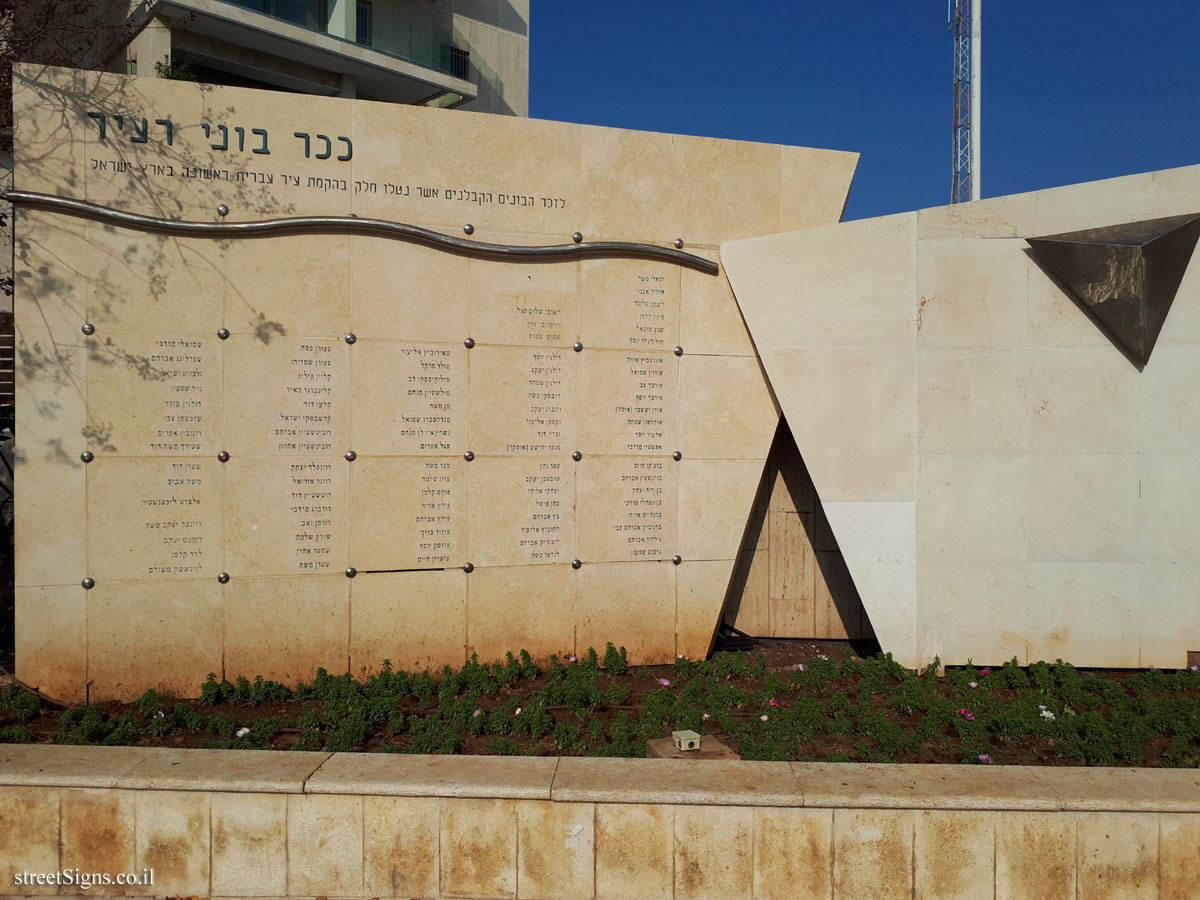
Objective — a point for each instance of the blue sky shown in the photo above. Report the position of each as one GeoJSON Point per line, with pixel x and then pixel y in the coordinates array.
{"type": "Point", "coordinates": [1073, 90]}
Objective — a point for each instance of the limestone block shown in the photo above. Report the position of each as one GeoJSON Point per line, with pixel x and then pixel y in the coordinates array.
{"type": "Point", "coordinates": [51, 640]}
{"type": "Point", "coordinates": [407, 512]}
{"type": "Point", "coordinates": [524, 305]}
{"type": "Point", "coordinates": [973, 509]}
{"type": "Point", "coordinates": [285, 515]}
{"type": "Point", "coordinates": [710, 427]}
{"type": "Point", "coordinates": [634, 851]}
{"type": "Point", "coordinates": [546, 596]}
{"type": "Point", "coordinates": [872, 853]}
{"type": "Point", "coordinates": [715, 497]}
{"type": "Point", "coordinates": [1069, 388]}
{"type": "Point", "coordinates": [478, 848]}
{"type": "Point", "coordinates": [1035, 856]}
{"type": "Point", "coordinates": [310, 626]}
{"type": "Point", "coordinates": [792, 854]}
{"type": "Point", "coordinates": [714, 852]}
{"type": "Point", "coordinates": [322, 833]}
{"type": "Point", "coordinates": [153, 518]}
{"type": "Point", "coordinates": [972, 293]}
{"type": "Point", "coordinates": [954, 855]}
{"type": "Point", "coordinates": [417, 620]}
{"type": "Point", "coordinates": [1085, 610]}
{"type": "Point", "coordinates": [1170, 487]}
{"type": "Point", "coordinates": [555, 850]}
{"type": "Point", "coordinates": [29, 823]}
{"type": "Point", "coordinates": [155, 393]}
{"type": "Point", "coordinates": [751, 587]}
{"type": "Point", "coordinates": [630, 604]}
{"type": "Point", "coordinates": [628, 509]}
{"type": "Point", "coordinates": [1084, 507]}
{"type": "Point", "coordinates": [975, 402]}
{"type": "Point", "coordinates": [629, 397]}
{"type": "Point", "coordinates": [524, 401]}
{"type": "Point", "coordinates": [400, 846]}
{"type": "Point", "coordinates": [700, 587]}
{"type": "Point", "coordinates": [629, 304]}
{"type": "Point", "coordinates": [423, 388]}
{"type": "Point", "coordinates": [709, 319]}
{"type": "Point", "coordinates": [173, 839]}
{"type": "Point", "coordinates": [143, 281]}
{"type": "Point", "coordinates": [395, 282]}
{"type": "Point", "coordinates": [97, 830]}
{"type": "Point", "coordinates": [811, 186]}
{"type": "Point", "coordinates": [286, 396]}
{"type": "Point", "coordinates": [122, 662]}
{"type": "Point", "coordinates": [1178, 856]}
{"type": "Point", "coordinates": [999, 600]}
{"type": "Point", "coordinates": [521, 510]}
{"type": "Point", "coordinates": [1118, 855]}
{"type": "Point", "coordinates": [249, 845]}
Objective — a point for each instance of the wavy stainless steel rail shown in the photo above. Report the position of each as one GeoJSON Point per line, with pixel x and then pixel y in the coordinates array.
{"type": "Point", "coordinates": [355, 225]}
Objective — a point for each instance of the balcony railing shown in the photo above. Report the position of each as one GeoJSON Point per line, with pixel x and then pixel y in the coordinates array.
{"type": "Point", "coordinates": [414, 42]}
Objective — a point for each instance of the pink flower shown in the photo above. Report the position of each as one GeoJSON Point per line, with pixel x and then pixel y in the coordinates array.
{"type": "Point", "coordinates": [764, 717]}
{"type": "Point", "coordinates": [1194, 668]}
{"type": "Point", "coordinates": [986, 759]}
{"type": "Point", "coordinates": [967, 714]}
{"type": "Point", "coordinates": [477, 713]}
{"type": "Point", "coordinates": [985, 672]}
{"type": "Point", "coordinates": [772, 702]}
{"type": "Point", "coordinates": [798, 667]}
{"type": "Point", "coordinates": [665, 682]}
{"type": "Point", "coordinates": [707, 717]}
{"type": "Point", "coordinates": [570, 659]}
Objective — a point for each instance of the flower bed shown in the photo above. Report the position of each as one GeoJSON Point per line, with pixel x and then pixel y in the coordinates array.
{"type": "Point", "coordinates": [869, 710]}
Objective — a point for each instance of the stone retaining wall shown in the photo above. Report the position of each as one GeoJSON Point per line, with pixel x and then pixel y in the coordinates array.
{"type": "Point", "coordinates": [272, 824]}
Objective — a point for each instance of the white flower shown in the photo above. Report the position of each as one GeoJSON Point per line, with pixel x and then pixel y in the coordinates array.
{"type": "Point", "coordinates": [160, 715]}
{"type": "Point", "coordinates": [1041, 706]}
{"type": "Point", "coordinates": [518, 712]}
{"type": "Point", "coordinates": [1047, 715]}
{"type": "Point", "coordinates": [242, 732]}
{"type": "Point", "coordinates": [972, 684]}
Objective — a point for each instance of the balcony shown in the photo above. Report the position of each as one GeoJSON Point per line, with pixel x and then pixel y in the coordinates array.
{"type": "Point", "coordinates": [312, 45]}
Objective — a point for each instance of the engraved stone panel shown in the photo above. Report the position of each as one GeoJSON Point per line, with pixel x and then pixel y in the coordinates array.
{"type": "Point", "coordinates": [286, 396]}
{"type": "Point", "coordinates": [627, 508]}
{"type": "Point", "coordinates": [629, 304]}
{"type": "Point", "coordinates": [710, 426]}
{"type": "Point", "coordinates": [408, 513]}
{"type": "Point", "coordinates": [154, 394]}
{"type": "Point", "coordinates": [524, 401]}
{"type": "Point", "coordinates": [153, 518]}
{"type": "Point", "coordinates": [286, 516]}
{"type": "Point", "coordinates": [408, 399]}
{"type": "Point", "coordinates": [521, 510]}
{"type": "Point", "coordinates": [630, 402]}
{"type": "Point", "coordinates": [535, 305]}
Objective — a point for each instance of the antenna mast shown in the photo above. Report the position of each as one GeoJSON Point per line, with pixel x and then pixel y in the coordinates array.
{"type": "Point", "coordinates": [965, 21]}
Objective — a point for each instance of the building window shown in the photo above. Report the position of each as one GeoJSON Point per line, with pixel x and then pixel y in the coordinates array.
{"type": "Point", "coordinates": [455, 61]}
{"type": "Point", "coordinates": [362, 32]}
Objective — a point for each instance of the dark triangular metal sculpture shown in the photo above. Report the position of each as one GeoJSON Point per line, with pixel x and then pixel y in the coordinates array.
{"type": "Point", "coordinates": [1126, 275]}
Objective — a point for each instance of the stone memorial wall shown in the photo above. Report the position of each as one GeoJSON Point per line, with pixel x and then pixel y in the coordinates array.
{"type": "Point", "coordinates": [258, 455]}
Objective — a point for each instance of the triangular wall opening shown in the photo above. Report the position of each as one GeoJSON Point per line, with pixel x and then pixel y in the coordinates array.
{"type": "Point", "coordinates": [790, 580]}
